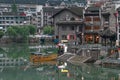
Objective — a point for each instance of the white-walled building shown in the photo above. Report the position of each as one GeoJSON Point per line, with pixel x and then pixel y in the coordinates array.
{"type": "Point", "coordinates": [26, 14]}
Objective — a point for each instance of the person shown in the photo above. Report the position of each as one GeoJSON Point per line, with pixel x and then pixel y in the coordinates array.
{"type": "Point", "coordinates": [62, 50]}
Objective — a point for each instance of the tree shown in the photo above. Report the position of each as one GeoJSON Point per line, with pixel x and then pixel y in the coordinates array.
{"type": "Point", "coordinates": [11, 32]}
{"type": "Point", "coordinates": [14, 8]}
{"type": "Point", "coordinates": [32, 29]}
{"type": "Point", "coordinates": [48, 30]}
{"type": "Point", "coordinates": [20, 32]}
{"type": "Point", "coordinates": [1, 33]}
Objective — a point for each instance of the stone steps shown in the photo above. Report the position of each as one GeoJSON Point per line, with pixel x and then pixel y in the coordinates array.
{"type": "Point", "coordinates": [65, 56]}
{"type": "Point", "coordinates": [78, 59]}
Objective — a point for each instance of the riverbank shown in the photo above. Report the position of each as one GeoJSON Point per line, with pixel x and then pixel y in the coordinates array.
{"type": "Point", "coordinates": [77, 59]}
{"type": "Point", "coordinates": [7, 40]}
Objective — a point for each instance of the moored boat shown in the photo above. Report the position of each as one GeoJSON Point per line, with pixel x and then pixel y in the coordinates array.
{"type": "Point", "coordinates": [39, 57]}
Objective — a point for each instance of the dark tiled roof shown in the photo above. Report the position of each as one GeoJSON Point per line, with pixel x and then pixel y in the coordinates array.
{"type": "Point", "coordinates": [93, 8]}
{"type": "Point", "coordinates": [75, 10]}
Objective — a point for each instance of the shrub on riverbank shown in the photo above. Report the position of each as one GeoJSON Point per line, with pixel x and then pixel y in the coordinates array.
{"type": "Point", "coordinates": [20, 33]}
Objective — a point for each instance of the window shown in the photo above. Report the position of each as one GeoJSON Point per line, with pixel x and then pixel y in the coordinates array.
{"type": "Point", "coordinates": [3, 18]}
{"type": "Point", "coordinates": [64, 37]}
{"type": "Point", "coordinates": [63, 28]}
{"type": "Point", "coordinates": [7, 18]}
{"type": "Point", "coordinates": [20, 21]}
{"type": "Point", "coordinates": [72, 19]}
{"type": "Point", "coordinates": [12, 22]}
{"type": "Point", "coordinates": [21, 9]}
{"type": "Point", "coordinates": [72, 28]}
{"type": "Point", "coordinates": [32, 9]}
{"type": "Point", "coordinates": [106, 19]}
{"type": "Point", "coordinates": [11, 18]}
{"type": "Point", "coordinates": [7, 21]}
{"type": "Point", "coordinates": [72, 37]}
{"type": "Point", "coordinates": [16, 22]}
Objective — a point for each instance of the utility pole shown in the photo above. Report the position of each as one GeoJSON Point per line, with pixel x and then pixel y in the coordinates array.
{"type": "Point", "coordinates": [118, 34]}
{"type": "Point", "coordinates": [117, 28]}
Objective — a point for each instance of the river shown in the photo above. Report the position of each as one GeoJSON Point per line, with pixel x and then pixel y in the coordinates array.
{"type": "Point", "coordinates": [51, 71]}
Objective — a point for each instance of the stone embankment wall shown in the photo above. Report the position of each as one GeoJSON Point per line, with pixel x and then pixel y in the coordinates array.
{"type": "Point", "coordinates": [5, 40]}
{"type": "Point", "coordinates": [9, 40]}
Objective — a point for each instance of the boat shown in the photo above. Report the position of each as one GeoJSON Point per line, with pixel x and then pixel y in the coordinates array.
{"type": "Point", "coordinates": [40, 57]}
{"type": "Point", "coordinates": [64, 70]}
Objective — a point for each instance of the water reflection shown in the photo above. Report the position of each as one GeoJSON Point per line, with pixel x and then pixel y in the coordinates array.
{"type": "Point", "coordinates": [15, 50]}
{"type": "Point", "coordinates": [91, 72]}
{"type": "Point", "coordinates": [50, 72]}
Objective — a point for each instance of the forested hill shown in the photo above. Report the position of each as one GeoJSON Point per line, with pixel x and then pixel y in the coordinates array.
{"type": "Point", "coordinates": [41, 2]}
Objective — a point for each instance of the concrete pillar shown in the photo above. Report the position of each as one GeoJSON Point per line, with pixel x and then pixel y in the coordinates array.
{"type": "Point", "coordinates": [119, 53]}
{"type": "Point", "coordinates": [83, 52]}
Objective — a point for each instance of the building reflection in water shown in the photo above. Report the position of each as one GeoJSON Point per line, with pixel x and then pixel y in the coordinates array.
{"type": "Point", "coordinates": [50, 71]}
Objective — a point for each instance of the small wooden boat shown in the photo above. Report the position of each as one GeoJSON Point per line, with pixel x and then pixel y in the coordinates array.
{"type": "Point", "coordinates": [38, 57]}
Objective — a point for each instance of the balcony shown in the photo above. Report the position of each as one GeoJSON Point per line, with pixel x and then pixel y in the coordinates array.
{"type": "Point", "coordinates": [69, 22]}
{"type": "Point", "coordinates": [92, 28]}
{"type": "Point", "coordinates": [95, 23]}
{"type": "Point", "coordinates": [92, 31]}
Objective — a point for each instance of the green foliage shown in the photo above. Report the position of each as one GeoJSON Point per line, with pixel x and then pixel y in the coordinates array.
{"type": "Point", "coordinates": [14, 8]}
{"type": "Point", "coordinates": [18, 50]}
{"type": "Point", "coordinates": [1, 33]}
{"type": "Point", "coordinates": [20, 32]}
{"type": "Point", "coordinates": [32, 29]}
{"type": "Point", "coordinates": [11, 31]}
{"type": "Point", "coordinates": [48, 30]}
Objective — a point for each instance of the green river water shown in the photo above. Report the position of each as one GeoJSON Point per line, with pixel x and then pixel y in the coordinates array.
{"type": "Point", "coordinates": [50, 71]}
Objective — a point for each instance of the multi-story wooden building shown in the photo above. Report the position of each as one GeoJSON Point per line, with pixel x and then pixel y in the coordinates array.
{"type": "Point", "coordinates": [92, 19]}
{"type": "Point", "coordinates": [48, 11]}
{"type": "Point", "coordinates": [68, 23]}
